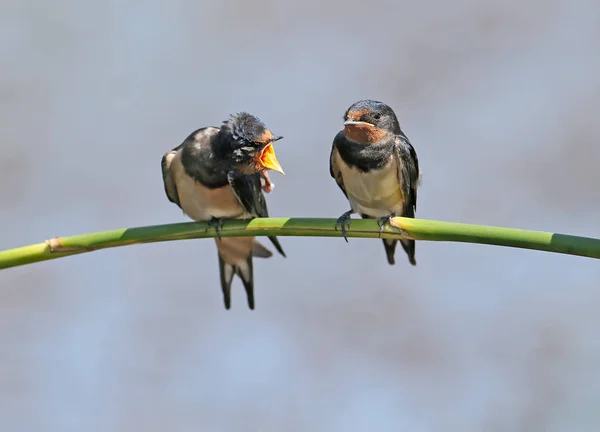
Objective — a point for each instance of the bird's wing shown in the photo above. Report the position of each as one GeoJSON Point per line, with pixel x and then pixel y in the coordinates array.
{"type": "Point", "coordinates": [169, 183]}
{"type": "Point", "coordinates": [334, 170]}
{"type": "Point", "coordinates": [408, 173]}
{"type": "Point", "coordinates": [248, 190]}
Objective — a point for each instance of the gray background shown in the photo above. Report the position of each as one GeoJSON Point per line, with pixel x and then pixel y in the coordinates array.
{"type": "Point", "coordinates": [500, 99]}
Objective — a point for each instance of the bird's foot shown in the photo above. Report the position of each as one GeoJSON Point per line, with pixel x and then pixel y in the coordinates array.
{"type": "Point", "coordinates": [344, 221]}
{"type": "Point", "coordinates": [217, 224]}
{"type": "Point", "coordinates": [383, 221]}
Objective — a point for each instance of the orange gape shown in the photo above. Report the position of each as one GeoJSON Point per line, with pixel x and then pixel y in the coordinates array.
{"type": "Point", "coordinates": [268, 159]}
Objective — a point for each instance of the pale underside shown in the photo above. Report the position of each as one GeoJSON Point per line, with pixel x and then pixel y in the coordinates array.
{"type": "Point", "coordinates": [201, 204]}
{"type": "Point", "coordinates": [375, 193]}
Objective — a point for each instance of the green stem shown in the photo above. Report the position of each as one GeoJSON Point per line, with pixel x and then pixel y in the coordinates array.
{"type": "Point", "coordinates": [418, 229]}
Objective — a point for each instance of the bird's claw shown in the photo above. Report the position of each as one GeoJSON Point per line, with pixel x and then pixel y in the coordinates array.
{"type": "Point", "coordinates": [383, 221]}
{"type": "Point", "coordinates": [217, 224]}
{"type": "Point", "coordinates": [344, 221]}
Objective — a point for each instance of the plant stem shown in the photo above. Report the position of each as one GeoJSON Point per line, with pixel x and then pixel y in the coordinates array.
{"type": "Point", "coordinates": [418, 229]}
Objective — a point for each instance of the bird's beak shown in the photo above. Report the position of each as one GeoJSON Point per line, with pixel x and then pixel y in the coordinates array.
{"type": "Point", "coordinates": [268, 160]}
{"type": "Point", "coordinates": [351, 122]}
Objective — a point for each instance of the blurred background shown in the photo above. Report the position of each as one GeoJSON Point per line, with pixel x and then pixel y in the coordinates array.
{"type": "Point", "coordinates": [501, 101]}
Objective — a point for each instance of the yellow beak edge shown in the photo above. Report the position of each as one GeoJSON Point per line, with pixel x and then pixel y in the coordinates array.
{"type": "Point", "coordinates": [269, 160]}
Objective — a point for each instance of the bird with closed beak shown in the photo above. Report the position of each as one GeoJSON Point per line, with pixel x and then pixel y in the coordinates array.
{"type": "Point", "coordinates": [219, 173]}
{"type": "Point", "coordinates": [377, 169]}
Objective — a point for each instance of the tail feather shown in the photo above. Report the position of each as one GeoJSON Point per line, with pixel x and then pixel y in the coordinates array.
{"type": "Point", "coordinates": [390, 245]}
{"type": "Point", "coordinates": [259, 251]}
{"type": "Point", "coordinates": [246, 274]}
{"type": "Point", "coordinates": [409, 248]}
{"type": "Point", "coordinates": [275, 242]}
{"type": "Point", "coordinates": [226, 271]}
{"type": "Point", "coordinates": [390, 250]}
{"type": "Point", "coordinates": [407, 245]}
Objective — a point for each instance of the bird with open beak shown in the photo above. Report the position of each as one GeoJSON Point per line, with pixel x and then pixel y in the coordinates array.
{"type": "Point", "coordinates": [377, 169]}
{"type": "Point", "coordinates": [218, 173]}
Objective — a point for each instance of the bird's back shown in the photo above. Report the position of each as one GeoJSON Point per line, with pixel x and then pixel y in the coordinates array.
{"type": "Point", "coordinates": [196, 183]}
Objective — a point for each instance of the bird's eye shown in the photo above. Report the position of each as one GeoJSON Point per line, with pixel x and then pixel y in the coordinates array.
{"type": "Point", "coordinates": [377, 116]}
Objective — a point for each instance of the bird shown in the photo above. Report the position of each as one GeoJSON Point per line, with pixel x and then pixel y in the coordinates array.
{"type": "Point", "coordinates": [220, 173]}
{"type": "Point", "coordinates": [377, 169]}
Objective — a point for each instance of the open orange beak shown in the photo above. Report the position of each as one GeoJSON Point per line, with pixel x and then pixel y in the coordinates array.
{"type": "Point", "coordinates": [268, 159]}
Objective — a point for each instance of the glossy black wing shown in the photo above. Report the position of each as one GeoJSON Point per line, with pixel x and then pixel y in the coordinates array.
{"type": "Point", "coordinates": [408, 173]}
{"type": "Point", "coordinates": [169, 183]}
{"type": "Point", "coordinates": [248, 190]}
{"type": "Point", "coordinates": [334, 170]}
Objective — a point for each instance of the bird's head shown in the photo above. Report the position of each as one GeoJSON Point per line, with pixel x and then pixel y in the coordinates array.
{"type": "Point", "coordinates": [248, 144]}
{"type": "Point", "coordinates": [368, 121]}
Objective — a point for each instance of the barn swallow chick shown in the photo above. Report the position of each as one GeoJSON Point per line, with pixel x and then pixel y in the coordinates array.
{"type": "Point", "coordinates": [217, 173]}
{"type": "Point", "coordinates": [377, 169]}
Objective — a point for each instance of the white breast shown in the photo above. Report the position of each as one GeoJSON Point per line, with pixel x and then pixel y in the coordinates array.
{"type": "Point", "coordinates": [376, 193]}
{"type": "Point", "coordinates": [201, 203]}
